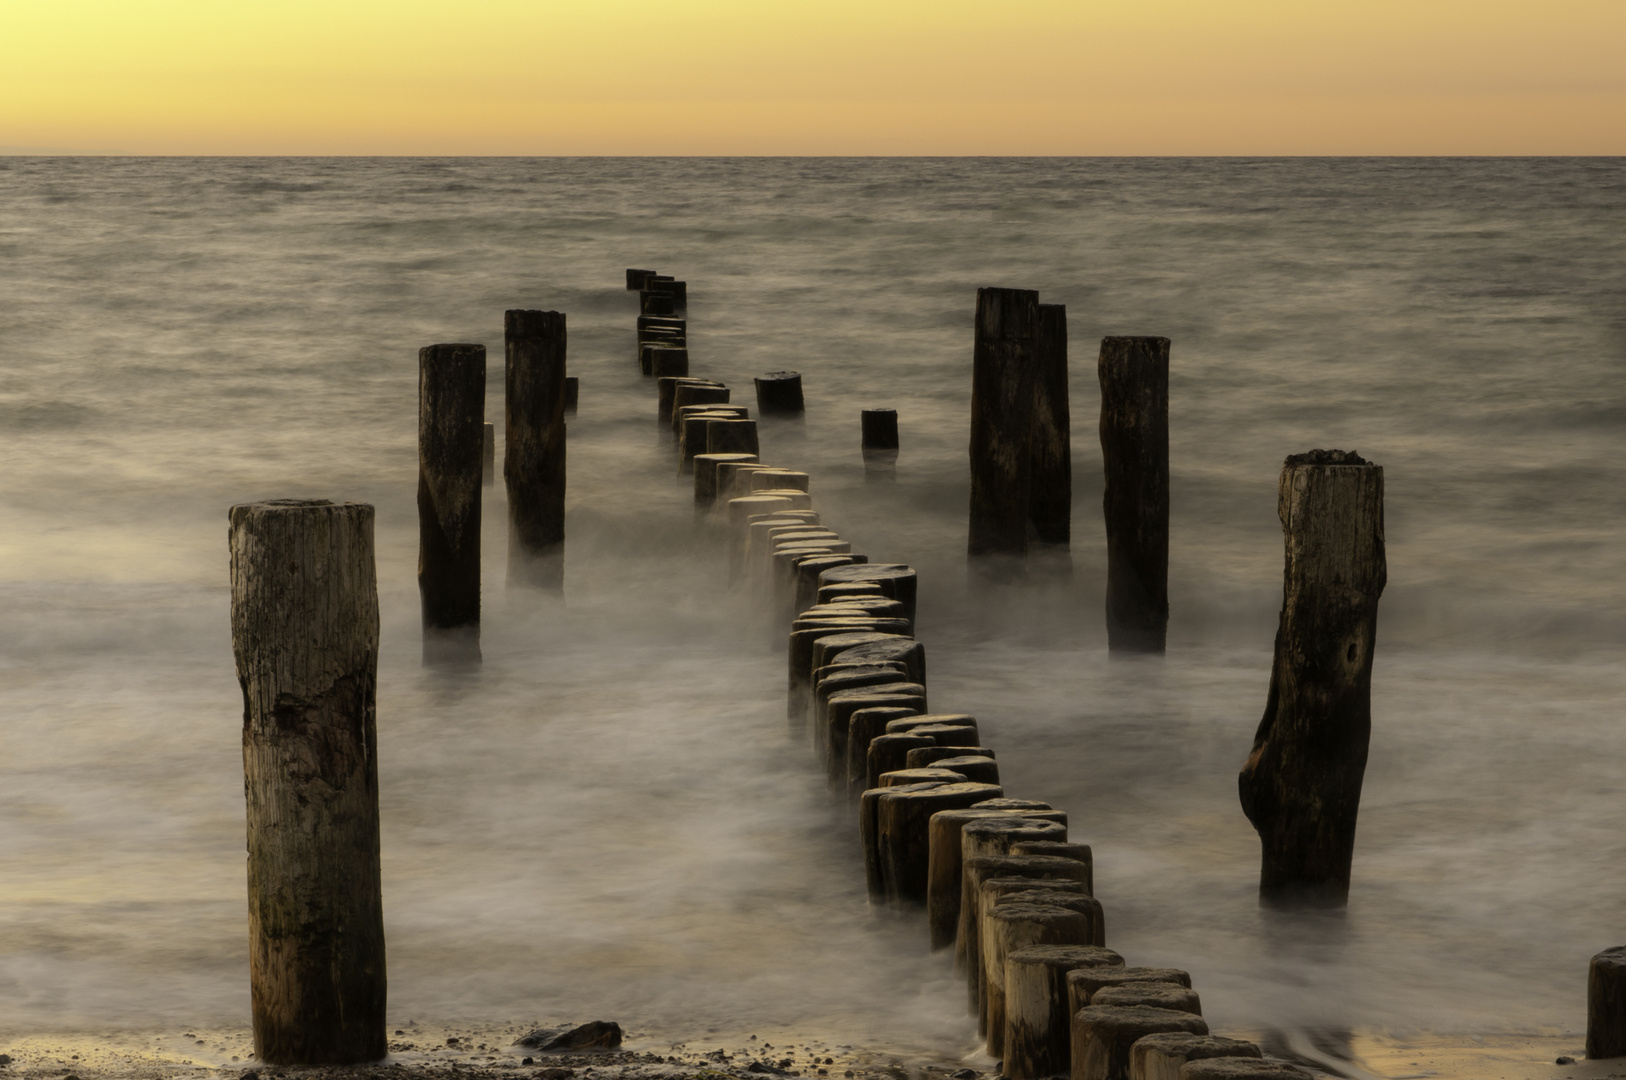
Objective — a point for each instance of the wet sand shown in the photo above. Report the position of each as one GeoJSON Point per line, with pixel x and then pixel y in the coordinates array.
{"type": "Point", "coordinates": [489, 1051]}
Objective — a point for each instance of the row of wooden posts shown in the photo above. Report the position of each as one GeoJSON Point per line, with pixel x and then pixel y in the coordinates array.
{"type": "Point", "coordinates": [995, 878]}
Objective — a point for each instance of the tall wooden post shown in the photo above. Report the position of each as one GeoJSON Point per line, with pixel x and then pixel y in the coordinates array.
{"type": "Point", "coordinates": [1002, 396]}
{"type": "Point", "coordinates": [1301, 786]}
{"type": "Point", "coordinates": [304, 613]}
{"type": "Point", "coordinates": [451, 422]}
{"type": "Point", "coordinates": [1135, 450]}
{"type": "Point", "coordinates": [534, 450]}
{"type": "Point", "coordinates": [1050, 503]}
{"type": "Point", "coordinates": [1606, 1004]}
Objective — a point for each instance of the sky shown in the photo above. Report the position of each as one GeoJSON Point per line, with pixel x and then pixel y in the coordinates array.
{"type": "Point", "coordinates": [543, 77]}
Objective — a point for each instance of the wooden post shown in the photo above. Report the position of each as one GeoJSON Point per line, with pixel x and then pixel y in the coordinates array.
{"type": "Point", "coordinates": [879, 428]}
{"type": "Point", "coordinates": [779, 393]}
{"type": "Point", "coordinates": [654, 303]}
{"type": "Point", "coordinates": [943, 883]}
{"type": "Point", "coordinates": [1135, 451]}
{"type": "Point", "coordinates": [1037, 1023]}
{"type": "Point", "coordinates": [696, 393]}
{"type": "Point", "coordinates": [638, 279]}
{"type": "Point", "coordinates": [1102, 1036]}
{"type": "Point", "coordinates": [901, 823]}
{"type": "Point", "coordinates": [1011, 926]}
{"type": "Point", "coordinates": [705, 474]}
{"type": "Point", "coordinates": [973, 872]}
{"type": "Point", "coordinates": [666, 395]}
{"type": "Point", "coordinates": [664, 362]}
{"type": "Point", "coordinates": [1050, 450]}
{"type": "Point", "coordinates": [894, 579]}
{"type": "Point", "coordinates": [927, 756]}
{"type": "Point", "coordinates": [1083, 983]}
{"type": "Point", "coordinates": [1159, 1057]}
{"type": "Point", "coordinates": [864, 726]}
{"type": "Point", "coordinates": [1606, 1004]}
{"type": "Point", "coordinates": [304, 611]}
{"type": "Point", "coordinates": [534, 446]}
{"type": "Point", "coordinates": [451, 418]}
{"type": "Point", "coordinates": [732, 437]}
{"type": "Point", "coordinates": [868, 835]}
{"type": "Point", "coordinates": [572, 394]}
{"type": "Point", "coordinates": [1002, 397]}
{"type": "Point", "coordinates": [1301, 786]}
{"type": "Point", "coordinates": [488, 455]}
{"type": "Point", "coordinates": [1062, 850]}
{"type": "Point", "coordinates": [1158, 995]}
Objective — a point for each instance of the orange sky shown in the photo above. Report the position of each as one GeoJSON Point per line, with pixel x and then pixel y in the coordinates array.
{"type": "Point", "coordinates": [816, 77]}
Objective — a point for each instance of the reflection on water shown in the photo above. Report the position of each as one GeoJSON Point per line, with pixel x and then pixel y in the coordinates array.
{"type": "Point", "coordinates": [606, 817]}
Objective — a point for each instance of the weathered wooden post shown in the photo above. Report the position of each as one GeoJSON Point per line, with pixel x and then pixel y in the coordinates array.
{"type": "Point", "coordinates": [1135, 451]}
{"type": "Point", "coordinates": [1301, 786]}
{"type": "Point", "coordinates": [451, 418]}
{"type": "Point", "coordinates": [1606, 1004]}
{"type": "Point", "coordinates": [488, 455]}
{"type": "Point", "coordinates": [1103, 1034]}
{"type": "Point", "coordinates": [639, 279]}
{"type": "Point", "coordinates": [304, 617]}
{"type": "Point", "coordinates": [879, 442]}
{"type": "Point", "coordinates": [1050, 449]}
{"type": "Point", "coordinates": [534, 446]}
{"type": "Point", "coordinates": [1038, 1027]}
{"type": "Point", "coordinates": [572, 394]}
{"type": "Point", "coordinates": [1002, 397]}
{"type": "Point", "coordinates": [779, 393]}
{"type": "Point", "coordinates": [654, 303]}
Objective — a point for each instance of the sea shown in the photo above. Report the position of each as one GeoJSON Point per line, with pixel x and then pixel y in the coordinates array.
{"type": "Point", "coordinates": [609, 818]}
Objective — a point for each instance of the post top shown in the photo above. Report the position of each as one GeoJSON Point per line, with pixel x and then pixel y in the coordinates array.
{"type": "Point", "coordinates": [1325, 457]}
{"type": "Point", "coordinates": [294, 504]}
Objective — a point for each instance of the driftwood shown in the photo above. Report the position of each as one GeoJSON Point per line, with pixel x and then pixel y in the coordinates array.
{"type": "Point", "coordinates": [451, 421]}
{"type": "Point", "coordinates": [304, 614]}
{"type": "Point", "coordinates": [1102, 1036]}
{"type": "Point", "coordinates": [1038, 1027]}
{"type": "Point", "coordinates": [534, 446]}
{"type": "Point", "coordinates": [1159, 1057]}
{"type": "Point", "coordinates": [1134, 375]}
{"type": "Point", "coordinates": [902, 821]}
{"type": "Point", "coordinates": [1606, 1004]}
{"type": "Point", "coordinates": [1301, 786]}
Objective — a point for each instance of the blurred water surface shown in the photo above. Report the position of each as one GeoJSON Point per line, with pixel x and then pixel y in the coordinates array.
{"type": "Point", "coordinates": [608, 818]}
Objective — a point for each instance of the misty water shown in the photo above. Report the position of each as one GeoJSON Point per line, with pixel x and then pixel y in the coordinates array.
{"type": "Point", "coordinates": [609, 819]}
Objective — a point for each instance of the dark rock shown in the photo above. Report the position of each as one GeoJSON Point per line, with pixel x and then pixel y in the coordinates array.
{"type": "Point", "coordinates": [764, 1067]}
{"type": "Point", "coordinates": [556, 1074]}
{"type": "Point", "coordinates": [1564, 1061]}
{"type": "Point", "coordinates": [5, 1059]}
{"type": "Point", "coordinates": [528, 1061]}
{"type": "Point", "coordinates": [594, 1035]}
{"type": "Point", "coordinates": [963, 1074]}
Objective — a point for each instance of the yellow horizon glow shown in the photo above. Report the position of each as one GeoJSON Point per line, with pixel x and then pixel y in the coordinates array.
{"type": "Point", "coordinates": [948, 77]}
